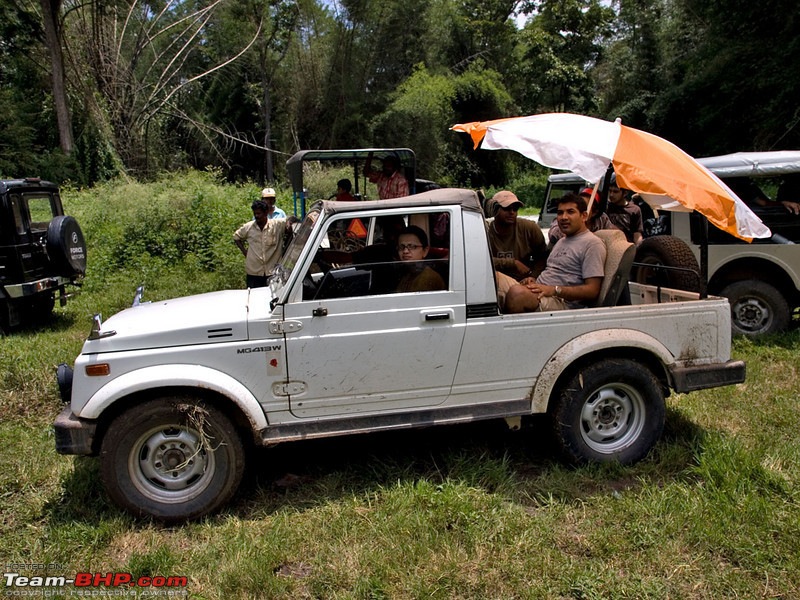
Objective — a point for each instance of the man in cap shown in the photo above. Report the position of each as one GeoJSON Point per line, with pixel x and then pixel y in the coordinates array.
{"type": "Point", "coordinates": [273, 212]}
{"type": "Point", "coordinates": [260, 240]}
{"type": "Point", "coordinates": [518, 247]}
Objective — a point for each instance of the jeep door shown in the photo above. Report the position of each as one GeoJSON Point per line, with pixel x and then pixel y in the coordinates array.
{"type": "Point", "coordinates": [355, 345]}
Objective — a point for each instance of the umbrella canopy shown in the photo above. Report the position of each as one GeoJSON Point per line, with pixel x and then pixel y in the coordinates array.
{"type": "Point", "coordinates": [663, 174]}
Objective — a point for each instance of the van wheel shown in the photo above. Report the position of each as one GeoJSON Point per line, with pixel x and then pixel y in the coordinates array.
{"type": "Point", "coordinates": [667, 251]}
{"type": "Point", "coordinates": [173, 459]}
{"type": "Point", "coordinates": [612, 410]}
{"type": "Point", "coordinates": [757, 308]}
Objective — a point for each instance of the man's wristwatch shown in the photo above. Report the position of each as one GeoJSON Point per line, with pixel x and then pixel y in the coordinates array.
{"type": "Point", "coordinates": [558, 291]}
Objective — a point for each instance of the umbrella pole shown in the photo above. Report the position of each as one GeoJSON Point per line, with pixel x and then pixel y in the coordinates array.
{"type": "Point", "coordinates": [703, 257]}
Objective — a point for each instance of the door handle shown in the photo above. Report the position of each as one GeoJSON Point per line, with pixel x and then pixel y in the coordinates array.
{"type": "Point", "coordinates": [437, 316]}
{"type": "Point", "coordinates": [319, 312]}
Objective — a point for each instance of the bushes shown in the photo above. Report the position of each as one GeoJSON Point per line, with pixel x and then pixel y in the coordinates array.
{"type": "Point", "coordinates": [181, 222]}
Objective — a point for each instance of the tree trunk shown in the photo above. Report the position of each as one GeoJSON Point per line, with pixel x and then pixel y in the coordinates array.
{"type": "Point", "coordinates": [50, 9]}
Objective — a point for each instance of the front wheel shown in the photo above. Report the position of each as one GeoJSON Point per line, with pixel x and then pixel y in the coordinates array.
{"type": "Point", "coordinates": [757, 308]}
{"type": "Point", "coordinates": [173, 459]}
{"type": "Point", "coordinates": [612, 410]}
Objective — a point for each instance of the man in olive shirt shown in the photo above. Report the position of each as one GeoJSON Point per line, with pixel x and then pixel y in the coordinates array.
{"type": "Point", "coordinates": [260, 240]}
{"type": "Point", "coordinates": [518, 247]}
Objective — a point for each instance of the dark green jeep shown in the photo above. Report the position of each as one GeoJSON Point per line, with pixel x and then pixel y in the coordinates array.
{"type": "Point", "coordinates": [42, 251]}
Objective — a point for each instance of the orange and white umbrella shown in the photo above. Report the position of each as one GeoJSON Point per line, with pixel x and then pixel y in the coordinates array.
{"type": "Point", "coordinates": [665, 176]}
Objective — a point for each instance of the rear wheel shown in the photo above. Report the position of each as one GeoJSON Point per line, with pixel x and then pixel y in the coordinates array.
{"type": "Point", "coordinates": [612, 410]}
{"type": "Point", "coordinates": [667, 251]}
{"type": "Point", "coordinates": [172, 459]}
{"type": "Point", "coordinates": [757, 308]}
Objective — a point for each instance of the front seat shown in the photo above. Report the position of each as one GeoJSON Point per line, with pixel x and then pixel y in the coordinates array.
{"type": "Point", "coordinates": [617, 268]}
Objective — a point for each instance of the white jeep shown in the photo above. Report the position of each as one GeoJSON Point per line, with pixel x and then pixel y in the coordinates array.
{"type": "Point", "coordinates": [170, 393]}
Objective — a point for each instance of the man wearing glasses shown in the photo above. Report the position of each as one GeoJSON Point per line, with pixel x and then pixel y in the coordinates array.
{"type": "Point", "coordinates": [518, 247]}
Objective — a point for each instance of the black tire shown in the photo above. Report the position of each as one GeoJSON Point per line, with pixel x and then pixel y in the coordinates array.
{"type": "Point", "coordinates": [757, 308]}
{"type": "Point", "coordinates": [172, 459]}
{"type": "Point", "coordinates": [5, 325]}
{"type": "Point", "coordinates": [610, 411]}
{"type": "Point", "coordinates": [668, 251]}
{"type": "Point", "coordinates": [66, 246]}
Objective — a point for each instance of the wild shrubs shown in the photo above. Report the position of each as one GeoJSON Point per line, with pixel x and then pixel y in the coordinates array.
{"type": "Point", "coordinates": [179, 223]}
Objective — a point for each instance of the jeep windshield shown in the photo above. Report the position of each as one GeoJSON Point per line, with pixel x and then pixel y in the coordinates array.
{"type": "Point", "coordinates": [282, 271]}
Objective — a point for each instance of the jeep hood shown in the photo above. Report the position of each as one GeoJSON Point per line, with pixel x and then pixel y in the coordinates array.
{"type": "Point", "coordinates": [203, 319]}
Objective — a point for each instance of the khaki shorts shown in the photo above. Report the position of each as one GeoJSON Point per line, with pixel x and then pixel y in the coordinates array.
{"type": "Point", "coordinates": [504, 283]}
{"type": "Point", "coordinates": [551, 303]}
{"type": "Point", "coordinates": [546, 304]}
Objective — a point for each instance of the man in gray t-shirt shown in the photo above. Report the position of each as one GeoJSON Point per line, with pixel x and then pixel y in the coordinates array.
{"type": "Point", "coordinates": [574, 272]}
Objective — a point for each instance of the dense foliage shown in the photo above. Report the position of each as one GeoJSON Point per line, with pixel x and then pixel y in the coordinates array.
{"type": "Point", "coordinates": [458, 512]}
{"type": "Point", "coordinates": [92, 90]}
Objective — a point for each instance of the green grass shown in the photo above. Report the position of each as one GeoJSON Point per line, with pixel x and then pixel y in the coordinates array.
{"type": "Point", "coordinates": [455, 512]}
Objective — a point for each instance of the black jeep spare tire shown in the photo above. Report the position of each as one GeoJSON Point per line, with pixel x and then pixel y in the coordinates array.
{"type": "Point", "coordinates": [667, 251]}
{"type": "Point", "coordinates": [66, 246]}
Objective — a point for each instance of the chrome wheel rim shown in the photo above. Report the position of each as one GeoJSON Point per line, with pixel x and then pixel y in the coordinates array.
{"type": "Point", "coordinates": [171, 464]}
{"type": "Point", "coordinates": [612, 418]}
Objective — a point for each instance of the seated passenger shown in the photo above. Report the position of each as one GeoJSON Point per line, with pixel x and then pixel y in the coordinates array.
{"type": "Point", "coordinates": [574, 272]}
{"type": "Point", "coordinates": [752, 195]}
{"type": "Point", "coordinates": [789, 193]}
{"type": "Point", "coordinates": [597, 220]}
{"type": "Point", "coordinates": [343, 191]}
{"type": "Point", "coordinates": [412, 247]}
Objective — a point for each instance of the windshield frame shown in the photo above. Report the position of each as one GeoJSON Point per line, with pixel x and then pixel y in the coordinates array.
{"type": "Point", "coordinates": [281, 273]}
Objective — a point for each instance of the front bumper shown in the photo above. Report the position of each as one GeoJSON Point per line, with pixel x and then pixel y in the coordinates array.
{"type": "Point", "coordinates": [74, 435]}
{"type": "Point", "coordinates": [690, 379]}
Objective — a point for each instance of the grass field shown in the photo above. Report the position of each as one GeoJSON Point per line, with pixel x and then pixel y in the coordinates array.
{"type": "Point", "coordinates": [456, 512]}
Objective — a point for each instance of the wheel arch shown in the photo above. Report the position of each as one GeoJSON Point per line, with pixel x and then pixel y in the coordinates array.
{"type": "Point", "coordinates": [210, 385]}
{"type": "Point", "coordinates": [770, 270]}
{"type": "Point", "coordinates": [593, 347]}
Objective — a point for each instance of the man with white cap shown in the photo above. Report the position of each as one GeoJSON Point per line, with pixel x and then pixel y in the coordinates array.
{"type": "Point", "coordinates": [273, 212]}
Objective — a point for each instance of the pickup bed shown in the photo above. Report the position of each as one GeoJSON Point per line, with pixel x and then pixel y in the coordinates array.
{"type": "Point", "coordinates": [170, 393]}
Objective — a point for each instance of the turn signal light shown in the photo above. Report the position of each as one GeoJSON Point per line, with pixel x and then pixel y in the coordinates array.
{"type": "Point", "coordinates": [98, 370]}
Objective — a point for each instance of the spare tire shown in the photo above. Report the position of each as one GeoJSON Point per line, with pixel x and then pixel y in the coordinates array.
{"type": "Point", "coordinates": [682, 272]}
{"type": "Point", "coordinates": [66, 246]}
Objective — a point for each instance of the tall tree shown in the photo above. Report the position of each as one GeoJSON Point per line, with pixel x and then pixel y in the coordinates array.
{"type": "Point", "coordinates": [52, 29]}
{"type": "Point", "coordinates": [733, 71]}
{"type": "Point", "coordinates": [629, 76]}
{"type": "Point", "coordinates": [560, 44]}
{"type": "Point", "coordinates": [143, 61]}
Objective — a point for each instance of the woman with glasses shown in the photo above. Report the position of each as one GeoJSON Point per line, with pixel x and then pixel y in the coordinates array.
{"type": "Point", "coordinates": [412, 248]}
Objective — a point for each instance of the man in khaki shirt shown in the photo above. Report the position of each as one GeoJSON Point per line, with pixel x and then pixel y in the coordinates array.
{"type": "Point", "coordinates": [260, 241]}
{"type": "Point", "coordinates": [518, 247]}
